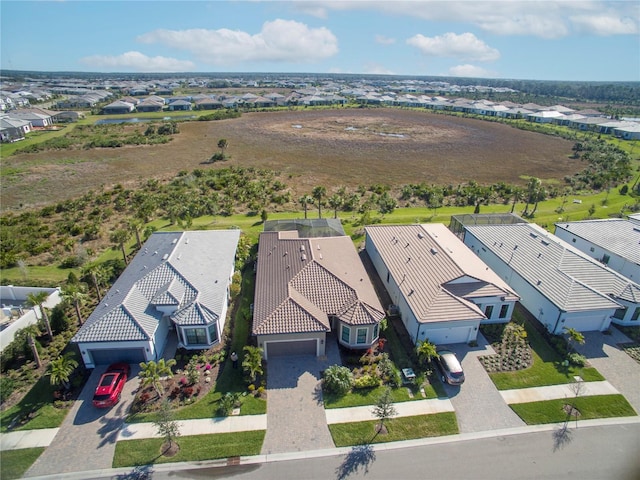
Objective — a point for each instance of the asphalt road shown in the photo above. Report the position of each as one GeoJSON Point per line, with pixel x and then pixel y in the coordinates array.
{"type": "Point", "coordinates": [587, 452]}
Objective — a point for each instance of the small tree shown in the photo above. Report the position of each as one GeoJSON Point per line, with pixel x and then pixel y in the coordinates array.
{"type": "Point", "coordinates": [573, 337]}
{"type": "Point", "coordinates": [167, 426]}
{"type": "Point", "coordinates": [60, 370]}
{"type": "Point", "coordinates": [252, 362]}
{"type": "Point", "coordinates": [222, 145]}
{"type": "Point", "coordinates": [151, 373]}
{"type": "Point", "coordinates": [426, 352]}
{"type": "Point", "coordinates": [384, 409]}
{"type": "Point", "coordinates": [28, 335]}
{"type": "Point", "coordinates": [37, 300]}
{"type": "Point", "coordinates": [337, 379]}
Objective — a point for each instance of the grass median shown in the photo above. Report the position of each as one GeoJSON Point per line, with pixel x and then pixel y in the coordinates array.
{"type": "Point", "coordinates": [14, 463]}
{"type": "Point", "coordinates": [193, 448]}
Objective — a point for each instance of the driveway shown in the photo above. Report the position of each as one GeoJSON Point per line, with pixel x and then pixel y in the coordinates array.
{"type": "Point", "coordinates": [295, 411]}
{"type": "Point", "coordinates": [87, 437]}
{"type": "Point", "coordinates": [477, 402]}
{"type": "Point", "coordinates": [622, 371]}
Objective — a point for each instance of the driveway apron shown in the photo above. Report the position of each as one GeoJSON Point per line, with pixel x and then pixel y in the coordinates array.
{"type": "Point", "coordinates": [620, 370]}
{"type": "Point", "coordinates": [295, 410]}
{"type": "Point", "coordinates": [87, 437]}
{"type": "Point", "coordinates": [478, 404]}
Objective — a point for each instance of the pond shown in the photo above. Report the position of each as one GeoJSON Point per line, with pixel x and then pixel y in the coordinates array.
{"type": "Point", "coordinates": [107, 121]}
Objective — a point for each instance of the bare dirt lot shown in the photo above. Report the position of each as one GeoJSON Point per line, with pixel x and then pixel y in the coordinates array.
{"type": "Point", "coordinates": [347, 147]}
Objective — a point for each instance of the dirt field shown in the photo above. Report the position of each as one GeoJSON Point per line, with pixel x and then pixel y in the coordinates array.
{"type": "Point", "coordinates": [317, 147]}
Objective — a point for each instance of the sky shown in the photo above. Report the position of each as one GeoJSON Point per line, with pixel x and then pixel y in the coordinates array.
{"type": "Point", "coordinates": [571, 40]}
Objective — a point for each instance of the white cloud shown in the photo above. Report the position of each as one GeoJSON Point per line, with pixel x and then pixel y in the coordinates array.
{"type": "Point", "coordinates": [138, 62]}
{"type": "Point", "coordinates": [382, 40]}
{"type": "Point", "coordinates": [605, 25]}
{"type": "Point", "coordinates": [464, 46]}
{"type": "Point", "coordinates": [279, 41]}
{"type": "Point", "coordinates": [376, 69]}
{"type": "Point", "coordinates": [468, 70]}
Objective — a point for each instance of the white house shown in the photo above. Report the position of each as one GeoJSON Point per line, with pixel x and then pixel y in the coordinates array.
{"type": "Point", "coordinates": [558, 284]}
{"type": "Point", "coordinates": [441, 290]}
{"type": "Point", "coordinates": [613, 241]}
{"type": "Point", "coordinates": [177, 281]}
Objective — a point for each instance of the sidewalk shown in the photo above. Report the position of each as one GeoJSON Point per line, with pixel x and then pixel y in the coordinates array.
{"type": "Point", "coordinates": [27, 439]}
{"type": "Point", "coordinates": [404, 409]}
{"type": "Point", "coordinates": [552, 392]}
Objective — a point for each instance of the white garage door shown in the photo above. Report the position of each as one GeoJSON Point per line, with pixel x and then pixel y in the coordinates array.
{"type": "Point", "coordinates": [586, 323]}
{"type": "Point", "coordinates": [440, 336]}
{"type": "Point", "coordinates": [111, 355]}
{"type": "Point", "coordinates": [301, 347]}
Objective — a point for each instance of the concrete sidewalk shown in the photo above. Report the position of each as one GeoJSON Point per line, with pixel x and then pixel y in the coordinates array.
{"type": "Point", "coordinates": [404, 409]}
{"type": "Point", "coordinates": [27, 439]}
{"type": "Point", "coordinates": [202, 426]}
{"type": "Point", "coordinates": [552, 392]}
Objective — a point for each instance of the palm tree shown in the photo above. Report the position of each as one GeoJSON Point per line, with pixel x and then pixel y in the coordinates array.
{"type": "Point", "coordinates": [222, 145]}
{"type": "Point", "coordinates": [533, 187]}
{"type": "Point", "coordinates": [305, 200]}
{"type": "Point", "coordinates": [76, 296]}
{"type": "Point", "coordinates": [38, 299]}
{"type": "Point", "coordinates": [152, 372]}
{"type": "Point", "coordinates": [60, 369]}
{"type": "Point", "coordinates": [426, 351]}
{"type": "Point", "coordinates": [517, 196]}
{"type": "Point", "coordinates": [135, 225]}
{"type": "Point", "coordinates": [252, 363]}
{"type": "Point", "coordinates": [97, 274]}
{"type": "Point", "coordinates": [335, 201]}
{"type": "Point", "coordinates": [318, 193]}
{"type": "Point", "coordinates": [29, 335]}
{"type": "Point", "coordinates": [120, 237]}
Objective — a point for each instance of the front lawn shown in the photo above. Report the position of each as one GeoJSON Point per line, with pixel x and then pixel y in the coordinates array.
{"type": "Point", "coordinates": [547, 368]}
{"type": "Point", "coordinates": [193, 448]}
{"type": "Point", "coordinates": [402, 428]}
{"type": "Point", "coordinates": [14, 463]}
{"type": "Point", "coordinates": [552, 411]}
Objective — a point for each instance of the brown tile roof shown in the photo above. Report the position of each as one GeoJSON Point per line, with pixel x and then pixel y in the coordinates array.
{"type": "Point", "coordinates": [301, 282]}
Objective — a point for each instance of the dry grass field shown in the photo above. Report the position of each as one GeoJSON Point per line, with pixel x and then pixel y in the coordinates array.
{"type": "Point", "coordinates": [334, 147]}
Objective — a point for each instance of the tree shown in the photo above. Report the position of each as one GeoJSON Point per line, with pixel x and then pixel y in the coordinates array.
{"type": "Point", "coordinates": [426, 351]}
{"type": "Point", "coordinates": [573, 337]}
{"type": "Point", "coordinates": [151, 373]}
{"type": "Point", "coordinates": [384, 409]}
{"type": "Point", "coordinates": [531, 194]}
{"type": "Point", "coordinates": [97, 274]}
{"type": "Point", "coordinates": [120, 237]}
{"type": "Point", "coordinates": [60, 370]}
{"type": "Point", "coordinates": [252, 362]}
{"type": "Point", "coordinates": [168, 427]}
{"type": "Point", "coordinates": [335, 201]}
{"type": "Point", "coordinates": [337, 379]}
{"type": "Point", "coordinates": [222, 145]}
{"type": "Point", "coordinates": [37, 299]}
{"type": "Point", "coordinates": [28, 335]}
{"type": "Point", "coordinates": [318, 194]}
{"type": "Point", "coordinates": [305, 200]}
{"type": "Point", "coordinates": [76, 295]}
{"type": "Point", "coordinates": [135, 226]}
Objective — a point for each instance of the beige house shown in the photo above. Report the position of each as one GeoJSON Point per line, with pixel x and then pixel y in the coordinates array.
{"type": "Point", "coordinates": [310, 290]}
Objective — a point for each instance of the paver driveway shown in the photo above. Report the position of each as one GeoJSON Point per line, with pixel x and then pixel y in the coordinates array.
{"type": "Point", "coordinates": [87, 437]}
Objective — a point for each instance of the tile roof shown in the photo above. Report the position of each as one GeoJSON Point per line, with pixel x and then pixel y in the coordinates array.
{"type": "Point", "coordinates": [301, 282]}
{"type": "Point", "coordinates": [619, 236]}
{"type": "Point", "coordinates": [567, 277]}
{"type": "Point", "coordinates": [187, 270]}
{"type": "Point", "coordinates": [437, 274]}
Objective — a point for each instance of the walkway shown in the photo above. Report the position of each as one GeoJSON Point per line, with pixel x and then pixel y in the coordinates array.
{"type": "Point", "coordinates": [552, 392]}
{"type": "Point", "coordinates": [403, 409]}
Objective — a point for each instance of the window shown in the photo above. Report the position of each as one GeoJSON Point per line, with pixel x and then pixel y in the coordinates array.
{"type": "Point", "coordinates": [213, 333]}
{"type": "Point", "coordinates": [504, 309]}
{"type": "Point", "coordinates": [619, 313]}
{"type": "Point", "coordinates": [375, 331]}
{"type": "Point", "coordinates": [346, 333]}
{"type": "Point", "coordinates": [388, 276]}
{"type": "Point", "coordinates": [488, 311]}
{"type": "Point", "coordinates": [636, 314]}
{"type": "Point", "coordinates": [362, 336]}
{"type": "Point", "coordinates": [196, 336]}
{"type": "Point", "coordinates": [592, 249]}
{"type": "Point", "coordinates": [605, 259]}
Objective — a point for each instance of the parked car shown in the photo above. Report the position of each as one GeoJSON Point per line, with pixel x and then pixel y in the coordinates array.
{"type": "Point", "coordinates": [110, 385]}
{"type": "Point", "coordinates": [450, 367]}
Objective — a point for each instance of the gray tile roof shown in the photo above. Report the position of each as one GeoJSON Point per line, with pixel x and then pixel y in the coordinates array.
{"type": "Point", "coordinates": [188, 270]}
{"type": "Point", "coordinates": [300, 282]}
{"type": "Point", "coordinates": [436, 272]}
{"type": "Point", "coordinates": [567, 277]}
{"type": "Point", "coordinates": [619, 236]}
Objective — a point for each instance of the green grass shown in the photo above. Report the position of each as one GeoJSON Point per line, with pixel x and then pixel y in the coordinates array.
{"type": "Point", "coordinates": [551, 411]}
{"type": "Point", "coordinates": [547, 368]}
{"type": "Point", "coordinates": [364, 396]}
{"type": "Point", "coordinates": [39, 402]}
{"type": "Point", "coordinates": [403, 428]}
{"type": "Point", "coordinates": [14, 463]}
{"type": "Point", "coordinates": [192, 448]}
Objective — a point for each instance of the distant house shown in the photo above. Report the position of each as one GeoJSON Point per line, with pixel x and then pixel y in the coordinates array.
{"type": "Point", "coordinates": [179, 105]}
{"type": "Point", "coordinates": [177, 284]}
{"type": "Point", "coordinates": [118, 107]}
{"type": "Point", "coordinates": [310, 291]}
{"type": "Point", "coordinates": [13, 129]}
{"type": "Point", "coordinates": [149, 105]}
{"type": "Point", "coordinates": [546, 116]}
{"type": "Point", "coordinates": [37, 119]}
{"type": "Point", "coordinates": [440, 289]}
{"type": "Point", "coordinates": [615, 242]}
{"type": "Point", "coordinates": [559, 285]}
{"type": "Point", "coordinates": [629, 132]}
{"type": "Point", "coordinates": [208, 104]}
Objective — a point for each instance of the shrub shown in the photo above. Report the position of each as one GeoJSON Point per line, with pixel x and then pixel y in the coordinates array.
{"type": "Point", "coordinates": [337, 379]}
{"type": "Point", "coordinates": [7, 386]}
{"type": "Point", "coordinates": [366, 381]}
{"type": "Point", "coordinates": [577, 360]}
{"type": "Point", "coordinates": [227, 403]}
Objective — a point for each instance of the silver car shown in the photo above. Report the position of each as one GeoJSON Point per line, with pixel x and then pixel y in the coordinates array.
{"type": "Point", "coordinates": [450, 368]}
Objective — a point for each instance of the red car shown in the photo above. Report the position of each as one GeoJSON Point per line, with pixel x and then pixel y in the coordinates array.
{"type": "Point", "coordinates": [111, 384]}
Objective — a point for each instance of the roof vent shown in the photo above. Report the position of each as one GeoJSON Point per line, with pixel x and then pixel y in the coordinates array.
{"type": "Point", "coordinates": [302, 249]}
{"type": "Point", "coordinates": [318, 246]}
{"type": "Point", "coordinates": [175, 240]}
{"type": "Point", "coordinates": [155, 252]}
{"type": "Point", "coordinates": [433, 250]}
{"type": "Point", "coordinates": [186, 241]}
{"type": "Point", "coordinates": [303, 257]}
{"type": "Point", "coordinates": [533, 235]}
{"type": "Point", "coordinates": [420, 235]}
{"type": "Point", "coordinates": [285, 254]}
{"type": "Point", "coordinates": [321, 257]}
{"type": "Point", "coordinates": [165, 256]}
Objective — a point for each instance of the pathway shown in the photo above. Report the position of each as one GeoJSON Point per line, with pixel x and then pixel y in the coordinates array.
{"type": "Point", "coordinates": [552, 392]}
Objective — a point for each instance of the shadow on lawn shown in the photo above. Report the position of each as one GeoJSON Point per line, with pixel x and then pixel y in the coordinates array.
{"type": "Point", "coordinates": [360, 457]}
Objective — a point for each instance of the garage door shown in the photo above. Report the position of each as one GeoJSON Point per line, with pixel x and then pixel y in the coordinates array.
{"type": "Point", "coordinates": [440, 336]}
{"type": "Point", "coordinates": [302, 347]}
{"type": "Point", "coordinates": [107, 356]}
{"type": "Point", "coordinates": [586, 323]}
